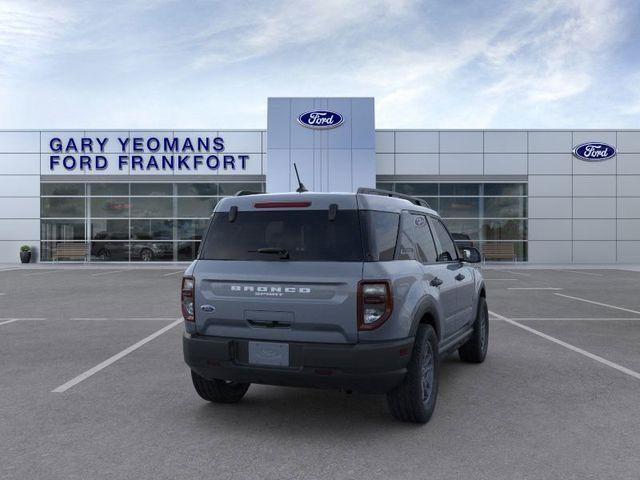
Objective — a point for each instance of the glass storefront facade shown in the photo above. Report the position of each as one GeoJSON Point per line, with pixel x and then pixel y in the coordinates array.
{"type": "Point", "coordinates": [131, 221]}
{"type": "Point", "coordinates": [480, 213]}
{"type": "Point", "coordinates": [164, 221]}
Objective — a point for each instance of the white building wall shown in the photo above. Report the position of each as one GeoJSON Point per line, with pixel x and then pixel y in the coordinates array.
{"type": "Point", "coordinates": [580, 212]}
{"type": "Point", "coordinates": [19, 193]}
{"type": "Point", "coordinates": [336, 159]}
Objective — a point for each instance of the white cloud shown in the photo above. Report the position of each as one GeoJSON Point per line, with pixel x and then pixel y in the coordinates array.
{"type": "Point", "coordinates": [28, 29]}
{"type": "Point", "coordinates": [173, 64]}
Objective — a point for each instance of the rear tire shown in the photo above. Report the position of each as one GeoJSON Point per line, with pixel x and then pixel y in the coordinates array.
{"type": "Point", "coordinates": [219, 391]}
{"type": "Point", "coordinates": [146, 255]}
{"type": "Point", "coordinates": [475, 349]}
{"type": "Point", "coordinates": [414, 400]}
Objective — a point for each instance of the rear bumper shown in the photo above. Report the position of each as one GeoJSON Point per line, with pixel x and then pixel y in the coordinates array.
{"type": "Point", "coordinates": [364, 367]}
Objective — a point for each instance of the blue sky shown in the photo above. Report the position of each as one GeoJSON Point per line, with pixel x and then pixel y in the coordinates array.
{"type": "Point", "coordinates": [429, 64]}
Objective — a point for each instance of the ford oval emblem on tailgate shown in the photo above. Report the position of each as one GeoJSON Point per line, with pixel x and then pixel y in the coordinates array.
{"type": "Point", "coordinates": [207, 308]}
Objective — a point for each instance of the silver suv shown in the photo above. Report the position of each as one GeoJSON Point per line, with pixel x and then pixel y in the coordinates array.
{"type": "Point", "coordinates": [361, 292]}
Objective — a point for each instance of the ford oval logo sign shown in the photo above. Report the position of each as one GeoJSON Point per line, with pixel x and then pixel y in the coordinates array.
{"type": "Point", "coordinates": [321, 119]}
{"type": "Point", "coordinates": [594, 151]}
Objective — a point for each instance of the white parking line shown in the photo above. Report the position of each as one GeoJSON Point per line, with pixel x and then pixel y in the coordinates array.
{"type": "Point", "coordinates": [92, 371]}
{"type": "Point", "coordinates": [519, 273]}
{"type": "Point", "coordinates": [89, 319]}
{"type": "Point", "coordinates": [9, 269]}
{"type": "Point", "coordinates": [172, 273]}
{"type": "Point", "coordinates": [20, 319]}
{"type": "Point", "coordinates": [11, 320]}
{"type": "Point", "coordinates": [106, 273]}
{"type": "Point", "coordinates": [598, 303]}
{"type": "Point", "coordinates": [579, 272]}
{"type": "Point", "coordinates": [534, 288]}
{"type": "Point", "coordinates": [573, 348]}
{"type": "Point", "coordinates": [577, 319]}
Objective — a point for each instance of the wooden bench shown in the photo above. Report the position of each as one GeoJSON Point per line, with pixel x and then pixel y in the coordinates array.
{"type": "Point", "coordinates": [499, 251]}
{"type": "Point", "coordinates": [70, 250]}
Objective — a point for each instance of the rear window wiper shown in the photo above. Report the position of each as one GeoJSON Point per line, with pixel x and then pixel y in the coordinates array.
{"type": "Point", "coordinates": [283, 252]}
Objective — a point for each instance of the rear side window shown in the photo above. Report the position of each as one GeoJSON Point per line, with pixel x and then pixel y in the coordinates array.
{"type": "Point", "coordinates": [424, 240]}
{"type": "Point", "coordinates": [447, 251]}
{"type": "Point", "coordinates": [307, 235]}
{"type": "Point", "coordinates": [381, 231]}
{"type": "Point", "coordinates": [406, 250]}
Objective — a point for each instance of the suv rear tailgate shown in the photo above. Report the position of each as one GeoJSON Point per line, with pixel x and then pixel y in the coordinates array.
{"type": "Point", "coordinates": [279, 301]}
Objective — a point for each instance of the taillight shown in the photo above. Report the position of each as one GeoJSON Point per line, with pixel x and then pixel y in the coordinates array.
{"type": "Point", "coordinates": [186, 299]}
{"type": "Point", "coordinates": [375, 303]}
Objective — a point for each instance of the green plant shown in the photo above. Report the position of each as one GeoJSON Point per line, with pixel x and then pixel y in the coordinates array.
{"type": "Point", "coordinates": [25, 248]}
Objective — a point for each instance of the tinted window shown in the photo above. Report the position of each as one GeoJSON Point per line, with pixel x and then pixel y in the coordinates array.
{"type": "Point", "coordinates": [233, 188]}
{"type": "Point", "coordinates": [62, 229]}
{"type": "Point", "coordinates": [424, 240]}
{"type": "Point", "coordinates": [62, 207]}
{"type": "Point", "coordinates": [151, 189]}
{"type": "Point", "coordinates": [381, 230]}
{"type": "Point", "coordinates": [189, 207]}
{"type": "Point", "coordinates": [151, 207]}
{"type": "Point", "coordinates": [102, 189]}
{"type": "Point", "coordinates": [505, 189]}
{"type": "Point", "coordinates": [418, 189]}
{"type": "Point", "coordinates": [458, 189]}
{"type": "Point", "coordinates": [505, 207]}
{"type": "Point", "coordinates": [64, 189]}
{"type": "Point", "coordinates": [460, 207]}
{"type": "Point", "coordinates": [307, 235]}
{"type": "Point", "coordinates": [190, 189]}
{"type": "Point", "coordinates": [448, 249]}
{"type": "Point", "coordinates": [109, 207]}
{"type": "Point", "coordinates": [406, 249]}
{"type": "Point", "coordinates": [109, 229]}
{"type": "Point", "coordinates": [151, 229]}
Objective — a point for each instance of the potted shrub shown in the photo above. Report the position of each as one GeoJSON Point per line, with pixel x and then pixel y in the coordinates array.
{"type": "Point", "coordinates": [25, 253]}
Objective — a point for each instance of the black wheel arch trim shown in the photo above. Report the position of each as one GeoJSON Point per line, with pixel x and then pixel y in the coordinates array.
{"type": "Point", "coordinates": [427, 306]}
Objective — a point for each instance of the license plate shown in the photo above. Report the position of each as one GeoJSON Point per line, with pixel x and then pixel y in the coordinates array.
{"type": "Point", "coordinates": [269, 353]}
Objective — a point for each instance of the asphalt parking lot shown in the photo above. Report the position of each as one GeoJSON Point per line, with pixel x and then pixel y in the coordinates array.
{"type": "Point", "coordinates": [93, 385]}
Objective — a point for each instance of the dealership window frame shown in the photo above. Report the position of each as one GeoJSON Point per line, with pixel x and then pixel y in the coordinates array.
{"type": "Point", "coordinates": [223, 188]}
{"type": "Point", "coordinates": [431, 190]}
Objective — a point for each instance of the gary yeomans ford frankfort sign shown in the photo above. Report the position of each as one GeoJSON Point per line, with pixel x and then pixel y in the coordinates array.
{"type": "Point", "coordinates": [140, 154]}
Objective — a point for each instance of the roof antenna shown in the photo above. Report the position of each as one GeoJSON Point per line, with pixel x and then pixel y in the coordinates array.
{"type": "Point", "coordinates": [301, 188]}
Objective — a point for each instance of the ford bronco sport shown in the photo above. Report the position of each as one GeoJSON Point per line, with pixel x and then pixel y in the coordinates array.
{"type": "Point", "coordinates": [356, 291]}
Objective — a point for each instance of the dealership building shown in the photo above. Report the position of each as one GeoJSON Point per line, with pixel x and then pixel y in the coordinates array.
{"type": "Point", "coordinates": [537, 196]}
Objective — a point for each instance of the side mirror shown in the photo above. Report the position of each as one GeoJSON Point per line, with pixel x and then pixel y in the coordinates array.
{"type": "Point", "coordinates": [471, 255]}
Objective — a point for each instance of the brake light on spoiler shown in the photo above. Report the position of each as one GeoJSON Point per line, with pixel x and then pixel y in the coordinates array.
{"type": "Point", "coordinates": [281, 204]}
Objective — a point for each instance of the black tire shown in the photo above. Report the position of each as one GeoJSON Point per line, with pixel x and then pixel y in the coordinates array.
{"type": "Point", "coordinates": [415, 398]}
{"type": "Point", "coordinates": [219, 391]}
{"type": "Point", "coordinates": [475, 349]}
{"type": "Point", "coordinates": [146, 255]}
{"type": "Point", "coordinates": [104, 255]}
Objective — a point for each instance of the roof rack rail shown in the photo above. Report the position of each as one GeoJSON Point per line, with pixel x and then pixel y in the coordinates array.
{"type": "Point", "coordinates": [387, 193]}
{"type": "Point", "coordinates": [242, 193]}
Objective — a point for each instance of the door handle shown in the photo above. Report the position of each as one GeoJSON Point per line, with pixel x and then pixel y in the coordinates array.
{"type": "Point", "coordinates": [460, 277]}
{"type": "Point", "coordinates": [436, 282]}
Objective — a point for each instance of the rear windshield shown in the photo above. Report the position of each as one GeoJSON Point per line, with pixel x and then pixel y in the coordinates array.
{"type": "Point", "coordinates": [305, 235]}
